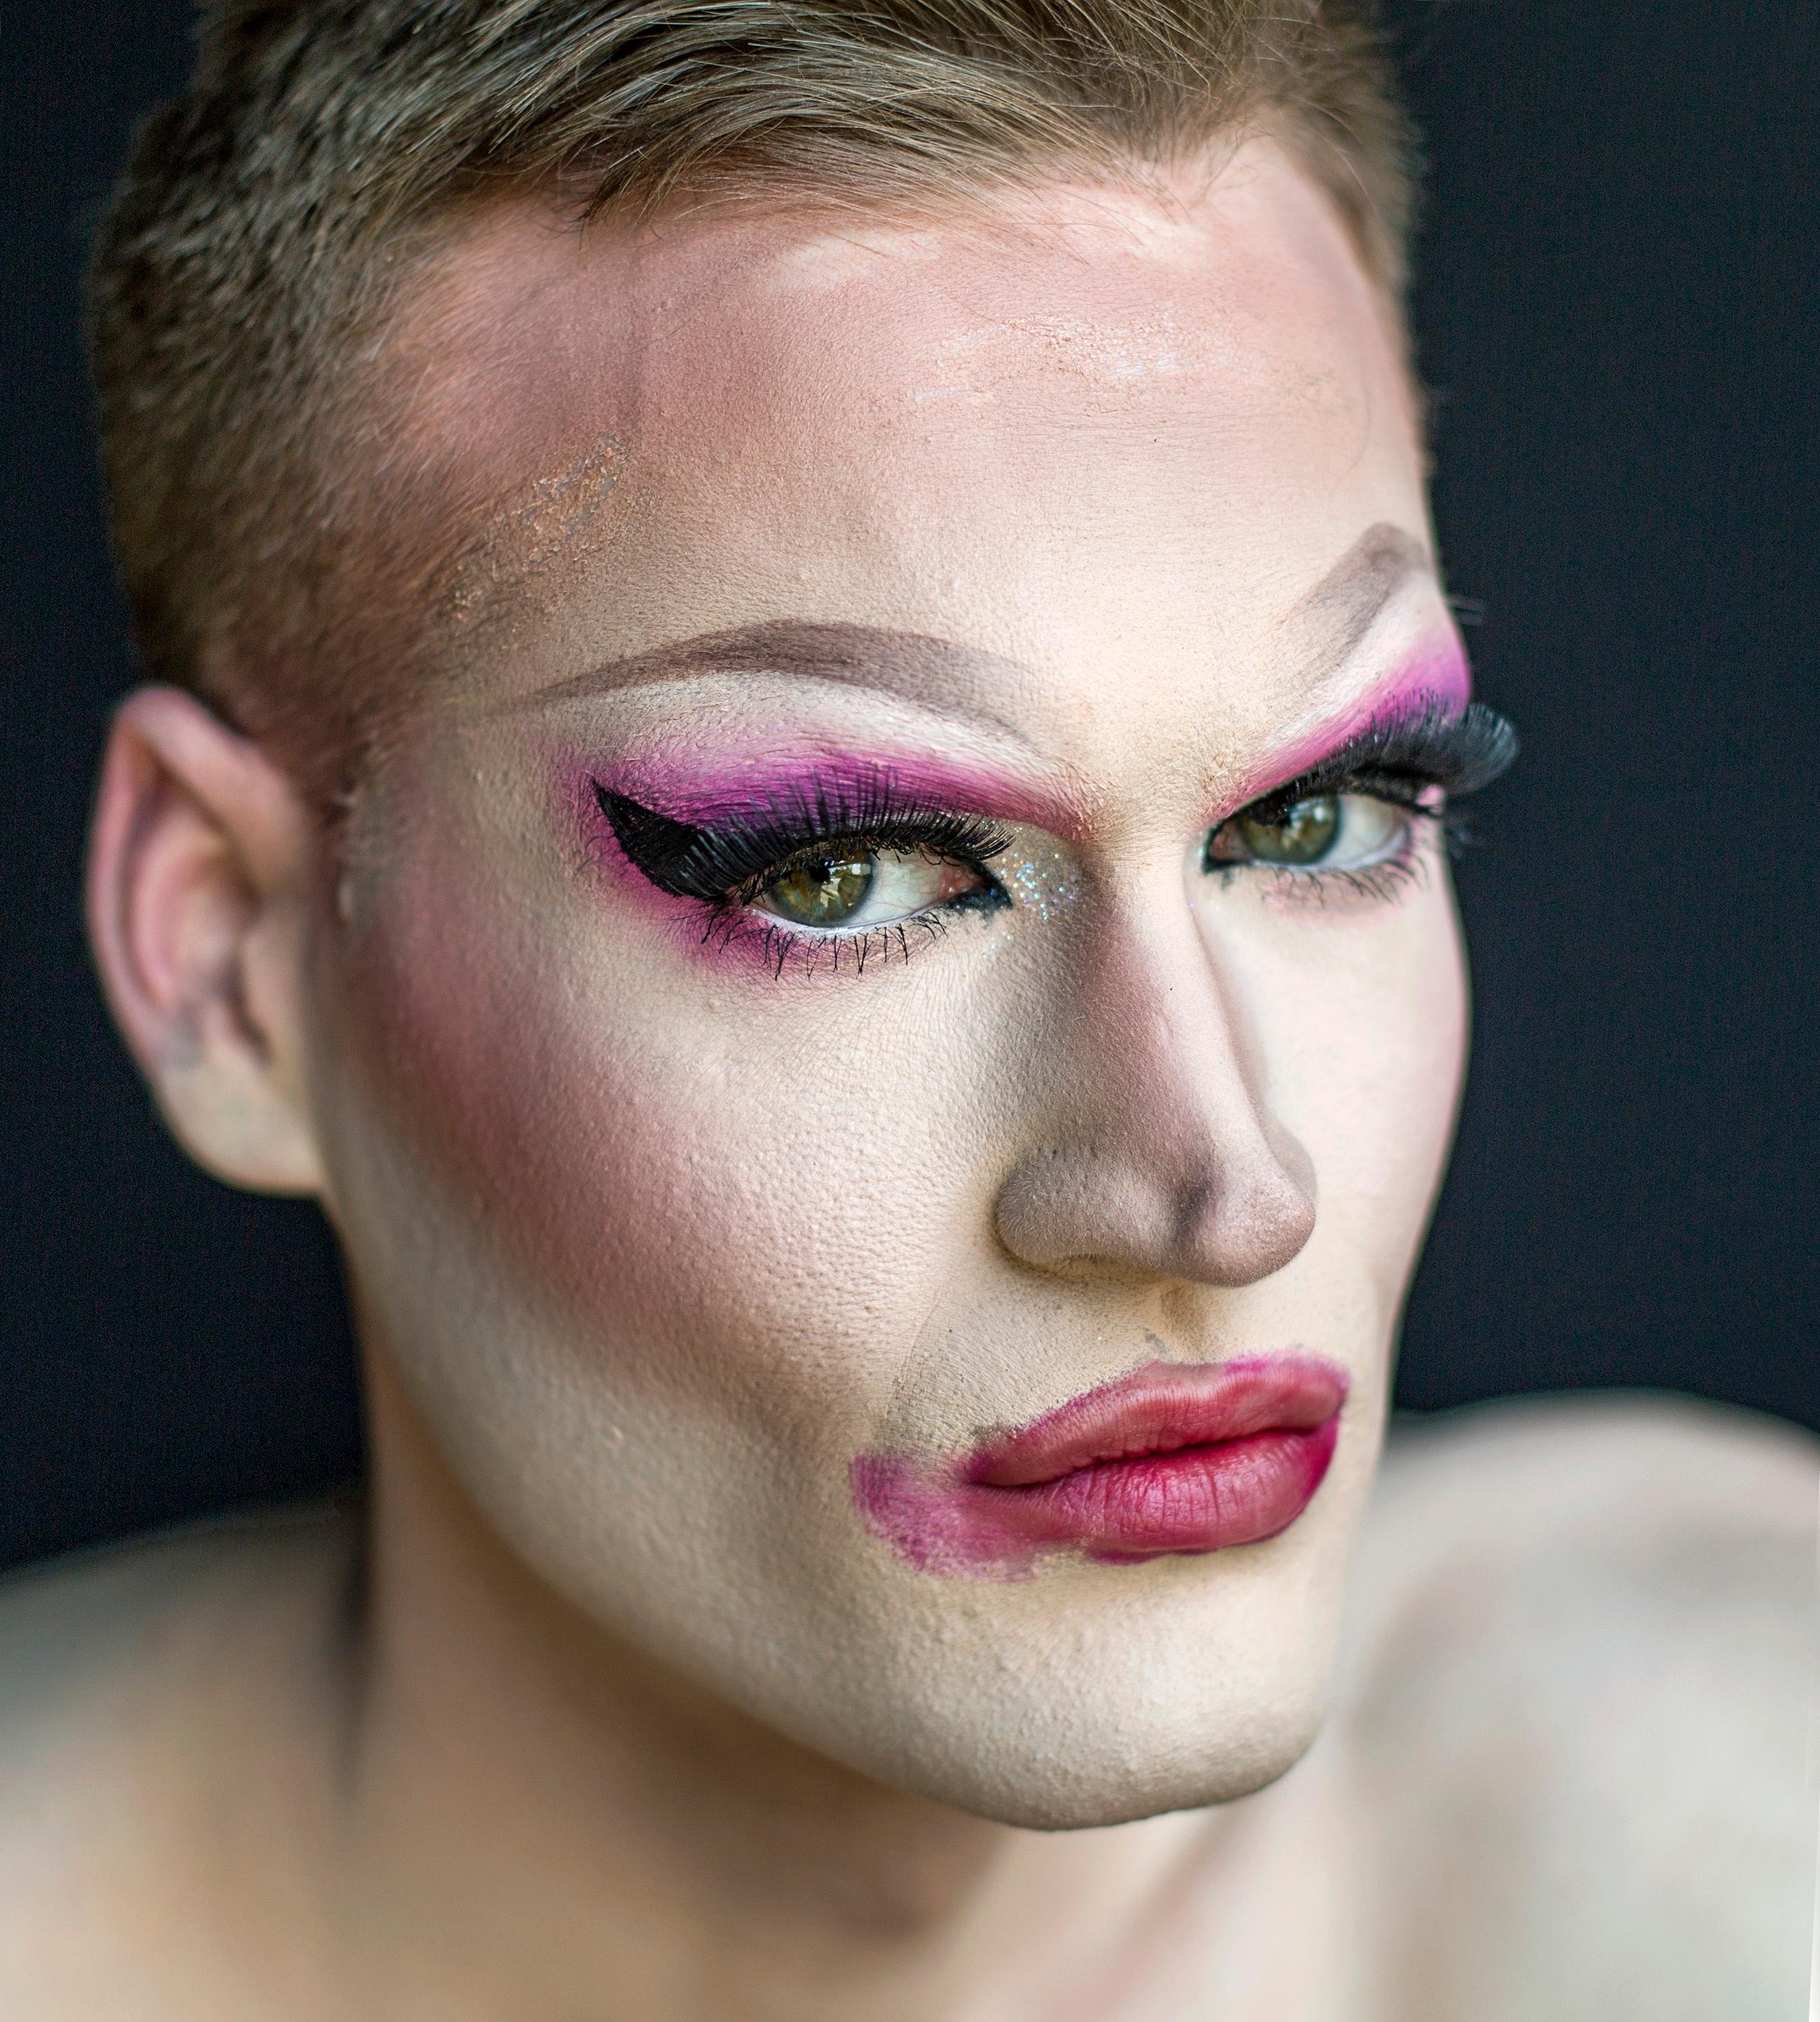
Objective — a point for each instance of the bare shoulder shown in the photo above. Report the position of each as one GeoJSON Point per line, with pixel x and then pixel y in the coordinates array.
{"type": "Point", "coordinates": [1582, 1674]}
{"type": "Point", "coordinates": [137, 1692]}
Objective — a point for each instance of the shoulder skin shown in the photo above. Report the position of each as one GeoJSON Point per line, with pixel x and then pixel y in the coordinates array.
{"type": "Point", "coordinates": [1578, 1702]}
{"type": "Point", "coordinates": [159, 1706]}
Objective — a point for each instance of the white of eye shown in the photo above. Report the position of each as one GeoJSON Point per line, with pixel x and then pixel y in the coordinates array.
{"type": "Point", "coordinates": [1370, 830]}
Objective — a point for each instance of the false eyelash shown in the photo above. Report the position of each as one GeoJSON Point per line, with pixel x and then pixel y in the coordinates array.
{"type": "Point", "coordinates": [1427, 744]}
{"type": "Point", "coordinates": [732, 862]}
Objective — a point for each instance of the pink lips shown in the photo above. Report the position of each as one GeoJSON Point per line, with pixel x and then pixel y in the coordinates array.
{"type": "Point", "coordinates": [1174, 1458]}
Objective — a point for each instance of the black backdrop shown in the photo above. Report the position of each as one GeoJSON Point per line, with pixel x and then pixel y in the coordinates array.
{"type": "Point", "coordinates": [1619, 313]}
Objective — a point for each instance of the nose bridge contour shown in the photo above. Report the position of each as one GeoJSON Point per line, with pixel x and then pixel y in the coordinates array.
{"type": "Point", "coordinates": [1156, 1151]}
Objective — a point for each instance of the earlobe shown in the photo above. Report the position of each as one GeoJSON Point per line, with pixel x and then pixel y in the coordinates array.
{"type": "Point", "coordinates": [199, 887]}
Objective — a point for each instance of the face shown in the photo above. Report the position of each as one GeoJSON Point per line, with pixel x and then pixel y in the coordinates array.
{"type": "Point", "coordinates": [890, 1032]}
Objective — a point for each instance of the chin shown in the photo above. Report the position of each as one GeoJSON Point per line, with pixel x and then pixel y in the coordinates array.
{"type": "Point", "coordinates": [1132, 1764]}
{"type": "Point", "coordinates": [1201, 1686]}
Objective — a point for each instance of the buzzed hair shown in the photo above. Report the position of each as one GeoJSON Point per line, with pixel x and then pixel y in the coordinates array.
{"type": "Point", "coordinates": [271, 214]}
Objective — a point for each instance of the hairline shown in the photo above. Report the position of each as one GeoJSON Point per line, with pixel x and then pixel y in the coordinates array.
{"type": "Point", "coordinates": [501, 524]}
{"type": "Point", "coordinates": [290, 529]}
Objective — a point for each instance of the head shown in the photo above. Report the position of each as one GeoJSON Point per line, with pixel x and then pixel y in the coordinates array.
{"type": "Point", "coordinates": [799, 770]}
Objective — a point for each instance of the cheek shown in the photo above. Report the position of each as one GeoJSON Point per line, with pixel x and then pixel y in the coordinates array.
{"type": "Point", "coordinates": [1362, 1024]}
{"type": "Point", "coordinates": [1383, 1083]}
{"type": "Point", "coordinates": [715, 1201]}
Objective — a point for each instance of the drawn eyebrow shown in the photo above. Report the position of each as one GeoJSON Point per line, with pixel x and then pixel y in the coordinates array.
{"type": "Point", "coordinates": [1339, 610]}
{"type": "Point", "coordinates": [860, 656]}
{"type": "Point", "coordinates": [1343, 606]}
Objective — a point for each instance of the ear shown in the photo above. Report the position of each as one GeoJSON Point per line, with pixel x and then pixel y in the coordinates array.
{"type": "Point", "coordinates": [200, 874]}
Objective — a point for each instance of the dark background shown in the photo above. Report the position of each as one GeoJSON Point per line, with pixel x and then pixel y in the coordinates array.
{"type": "Point", "coordinates": [1619, 315]}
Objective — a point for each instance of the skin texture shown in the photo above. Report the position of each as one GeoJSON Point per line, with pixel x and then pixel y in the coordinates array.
{"type": "Point", "coordinates": [1044, 1150]}
{"type": "Point", "coordinates": [1105, 507]}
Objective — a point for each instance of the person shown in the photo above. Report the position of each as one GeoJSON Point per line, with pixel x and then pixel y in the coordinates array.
{"type": "Point", "coordinates": [802, 740]}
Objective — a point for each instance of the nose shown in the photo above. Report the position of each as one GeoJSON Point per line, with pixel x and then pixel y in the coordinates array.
{"type": "Point", "coordinates": [1161, 1156]}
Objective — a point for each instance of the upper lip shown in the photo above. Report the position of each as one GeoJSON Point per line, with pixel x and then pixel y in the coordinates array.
{"type": "Point", "coordinates": [1160, 1409]}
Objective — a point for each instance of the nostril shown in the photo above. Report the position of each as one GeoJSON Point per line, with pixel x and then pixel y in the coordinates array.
{"type": "Point", "coordinates": [1200, 1203]}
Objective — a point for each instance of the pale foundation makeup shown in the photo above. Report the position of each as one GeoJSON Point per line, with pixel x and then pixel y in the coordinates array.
{"type": "Point", "coordinates": [1082, 525]}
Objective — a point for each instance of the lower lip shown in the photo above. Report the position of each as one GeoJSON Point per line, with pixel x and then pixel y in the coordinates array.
{"type": "Point", "coordinates": [1204, 1496]}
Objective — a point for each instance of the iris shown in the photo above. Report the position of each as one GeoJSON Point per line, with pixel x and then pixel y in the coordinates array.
{"type": "Point", "coordinates": [1303, 833]}
{"type": "Point", "coordinates": [821, 891]}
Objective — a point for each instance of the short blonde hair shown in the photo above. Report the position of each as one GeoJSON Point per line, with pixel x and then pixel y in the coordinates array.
{"type": "Point", "coordinates": [262, 223]}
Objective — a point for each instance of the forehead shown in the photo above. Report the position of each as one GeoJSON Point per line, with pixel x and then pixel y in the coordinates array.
{"type": "Point", "coordinates": [1109, 435]}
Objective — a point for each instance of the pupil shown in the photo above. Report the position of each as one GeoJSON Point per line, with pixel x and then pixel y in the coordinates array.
{"type": "Point", "coordinates": [821, 893]}
{"type": "Point", "coordinates": [1303, 835]}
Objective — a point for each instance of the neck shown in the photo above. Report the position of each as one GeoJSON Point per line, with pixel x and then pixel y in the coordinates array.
{"type": "Point", "coordinates": [554, 1821]}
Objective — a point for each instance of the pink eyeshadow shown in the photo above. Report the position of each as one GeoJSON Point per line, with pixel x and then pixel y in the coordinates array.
{"type": "Point", "coordinates": [726, 786]}
{"type": "Point", "coordinates": [1437, 671]}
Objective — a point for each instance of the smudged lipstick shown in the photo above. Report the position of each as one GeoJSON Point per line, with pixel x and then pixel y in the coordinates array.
{"type": "Point", "coordinates": [1173, 1458]}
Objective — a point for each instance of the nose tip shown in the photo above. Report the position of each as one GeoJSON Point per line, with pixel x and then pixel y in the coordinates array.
{"type": "Point", "coordinates": [1080, 1212]}
{"type": "Point", "coordinates": [1235, 1231]}
{"type": "Point", "coordinates": [1156, 1148]}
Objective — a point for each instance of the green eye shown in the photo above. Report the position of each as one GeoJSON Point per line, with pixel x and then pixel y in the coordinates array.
{"type": "Point", "coordinates": [1320, 833]}
{"type": "Point", "coordinates": [1302, 834]}
{"type": "Point", "coordinates": [821, 893]}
